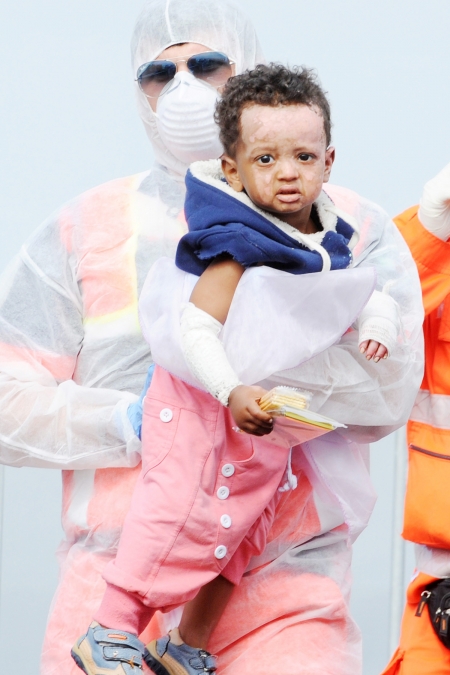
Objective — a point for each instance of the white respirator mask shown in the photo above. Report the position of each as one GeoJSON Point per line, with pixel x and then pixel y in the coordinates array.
{"type": "Point", "coordinates": [185, 119]}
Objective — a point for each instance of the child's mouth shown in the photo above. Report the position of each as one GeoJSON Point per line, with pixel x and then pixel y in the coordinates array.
{"type": "Point", "coordinates": [288, 195]}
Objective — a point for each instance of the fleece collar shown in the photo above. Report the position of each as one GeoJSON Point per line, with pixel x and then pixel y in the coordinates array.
{"type": "Point", "coordinates": [222, 221]}
{"type": "Point", "coordinates": [210, 172]}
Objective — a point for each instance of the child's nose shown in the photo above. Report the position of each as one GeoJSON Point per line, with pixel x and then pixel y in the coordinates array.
{"type": "Point", "coordinates": [288, 169]}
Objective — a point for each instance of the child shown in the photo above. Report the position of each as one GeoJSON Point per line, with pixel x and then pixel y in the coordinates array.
{"type": "Point", "coordinates": [275, 128]}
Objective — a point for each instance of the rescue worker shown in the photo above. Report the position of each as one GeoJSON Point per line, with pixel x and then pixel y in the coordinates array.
{"type": "Point", "coordinates": [72, 360]}
{"type": "Point", "coordinates": [426, 229]}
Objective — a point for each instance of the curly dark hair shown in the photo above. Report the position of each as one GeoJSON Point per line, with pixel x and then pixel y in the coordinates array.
{"type": "Point", "coordinates": [270, 85]}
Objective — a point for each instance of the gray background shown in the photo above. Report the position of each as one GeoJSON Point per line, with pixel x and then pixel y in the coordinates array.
{"type": "Point", "coordinates": [67, 123]}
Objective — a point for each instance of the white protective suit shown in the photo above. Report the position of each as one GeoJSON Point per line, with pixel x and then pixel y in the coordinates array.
{"type": "Point", "coordinates": [72, 358]}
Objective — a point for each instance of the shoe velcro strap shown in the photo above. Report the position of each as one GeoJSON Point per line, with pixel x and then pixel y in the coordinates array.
{"type": "Point", "coordinates": [118, 637]}
{"type": "Point", "coordinates": [210, 663]}
{"type": "Point", "coordinates": [124, 654]}
{"type": "Point", "coordinates": [206, 663]}
{"type": "Point", "coordinates": [162, 644]}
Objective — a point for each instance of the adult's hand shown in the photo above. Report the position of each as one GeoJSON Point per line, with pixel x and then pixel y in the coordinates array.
{"type": "Point", "coordinates": [434, 211]}
{"type": "Point", "coordinates": [134, 411]}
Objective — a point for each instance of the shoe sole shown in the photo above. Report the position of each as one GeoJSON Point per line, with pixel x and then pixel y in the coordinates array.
{"type": "Point", "coordinates": [155, 665]}
{"type": "Point", "coordinates": [78, 661]}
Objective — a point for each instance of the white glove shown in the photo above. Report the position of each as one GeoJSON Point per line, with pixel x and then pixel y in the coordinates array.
{"type": "Point", "coordinates": [434, 211]}
{"type": "Point", "coordinates": [125, 431]}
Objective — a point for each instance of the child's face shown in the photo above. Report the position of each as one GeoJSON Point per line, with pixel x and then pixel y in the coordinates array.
{"type": "Point", "coordinates": [281, 160]}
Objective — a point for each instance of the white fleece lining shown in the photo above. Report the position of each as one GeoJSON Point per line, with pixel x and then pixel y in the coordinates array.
{"type": "Point", "coordinates": [210, 172]}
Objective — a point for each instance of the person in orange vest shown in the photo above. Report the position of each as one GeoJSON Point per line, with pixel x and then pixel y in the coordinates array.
{"type": "Point", "coordinates": [423, 649]}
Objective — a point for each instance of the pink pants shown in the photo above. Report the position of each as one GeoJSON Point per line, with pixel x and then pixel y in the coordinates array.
{"type": "Point", "coordinates": [202, 506]}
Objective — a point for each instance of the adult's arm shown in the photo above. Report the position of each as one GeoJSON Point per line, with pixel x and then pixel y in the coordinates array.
{"type": "Point", "coordinates": [373, 399]}
{"type": "Point", "coordinates": [57, 409]}
{"type": "Point", "coordinates": [426, 229]}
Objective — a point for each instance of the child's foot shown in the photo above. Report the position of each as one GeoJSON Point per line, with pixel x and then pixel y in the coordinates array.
{"type": "Point", "coordinates": [164, 657]}
{"type": "Point", "coordinates": [104, 651]}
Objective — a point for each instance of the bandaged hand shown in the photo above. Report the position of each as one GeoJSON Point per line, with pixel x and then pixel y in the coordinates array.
{"type": "Point", "coordinates": [378, 326]}
{"type": "Point", "coordinates": [243, 403]}
{"type": "Point", "coordinates": [377, 336]}
{"type": "Point", "coordinates": [373, 350]}
{"type": "Point", "coordinates": [434, 210]}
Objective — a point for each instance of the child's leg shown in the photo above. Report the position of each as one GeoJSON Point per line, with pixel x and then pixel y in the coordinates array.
{"type": "Point", "coordinates": [183, 651]}
{"type": "Point", "coordinates": [188, 515]}
{"type": "Point", "coordinates": [195, 458]}
{"type": "Point", "coordinates": [201, 615]}
{"type": "Point", "coordinates": [160, 560]}
{"type": "Point", "coordinates": [124, 611]}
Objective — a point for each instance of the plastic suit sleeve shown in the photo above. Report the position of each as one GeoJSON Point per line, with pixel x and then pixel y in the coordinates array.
{"type": "Point", "coordinates": [432, 257]}
{"type": "Point", "coordinates": [57, 411]}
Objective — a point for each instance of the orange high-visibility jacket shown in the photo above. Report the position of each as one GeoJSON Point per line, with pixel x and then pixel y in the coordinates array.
{"type": "Point", "coordinates": [427, 496]}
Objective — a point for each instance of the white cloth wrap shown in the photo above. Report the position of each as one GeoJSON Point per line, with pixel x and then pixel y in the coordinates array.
{"type": "Point", "coordinates": [434, 210]}
{"type": "Point", "coordinates": [204, 353]}
{"type": "Point", "coordinates": [379, 321]}
{"type": "Point", "coordinates": [276, 320]}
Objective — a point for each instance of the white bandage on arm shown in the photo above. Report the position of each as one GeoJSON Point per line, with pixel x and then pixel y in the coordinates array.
{"type": "Point", "coordinates": [379, 321]}
{"type": "Point", "coordinates": [204, 353]}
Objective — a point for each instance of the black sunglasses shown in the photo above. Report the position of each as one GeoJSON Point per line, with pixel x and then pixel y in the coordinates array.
{"type": "Point", "coordinates": [211, 67]}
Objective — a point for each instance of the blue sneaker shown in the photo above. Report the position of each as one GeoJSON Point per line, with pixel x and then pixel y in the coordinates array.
{"type": "Point", "coordinates": [165, 658]}
{"type": "Point", "coordinates": [104, 651]}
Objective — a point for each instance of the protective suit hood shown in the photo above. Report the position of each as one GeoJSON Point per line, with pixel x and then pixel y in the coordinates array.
{"type": "Point", "coordinates": [217, 24]}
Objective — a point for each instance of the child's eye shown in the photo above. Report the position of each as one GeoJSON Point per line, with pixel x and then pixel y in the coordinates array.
{"type": "Point", "coordinates": [304, 156]}
{"type": "Point", "coordinates": [265, 159]}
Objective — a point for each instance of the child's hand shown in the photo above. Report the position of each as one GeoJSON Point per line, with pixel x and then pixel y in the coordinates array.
{"type": "Point", "coordinates": [373, 350]}
{"type": "Point", "coordinates": [243, 403]}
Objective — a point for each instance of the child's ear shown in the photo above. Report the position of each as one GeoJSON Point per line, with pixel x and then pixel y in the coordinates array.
{"type": "Point", "coordinates": [330, 155]}
{"type": "Point", "coordinates": [230, 171]}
